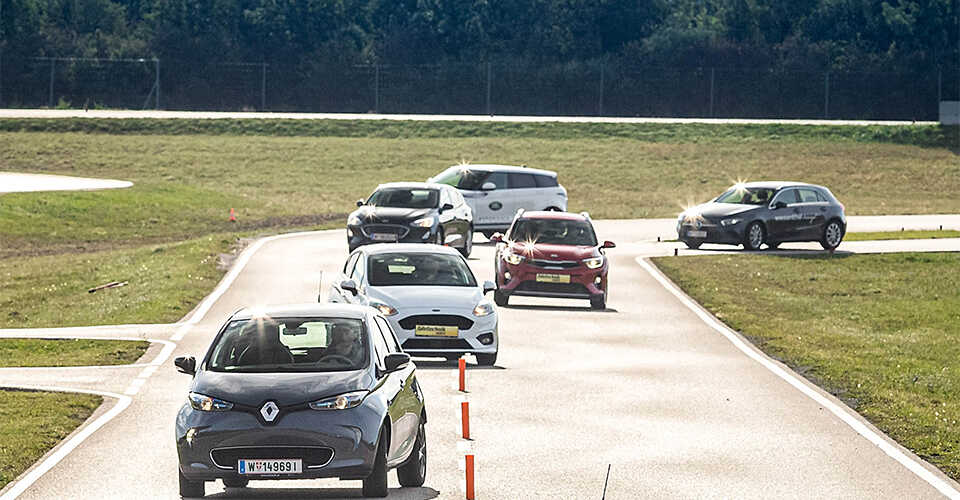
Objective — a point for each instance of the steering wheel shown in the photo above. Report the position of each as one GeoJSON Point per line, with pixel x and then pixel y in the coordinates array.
{"type": "Point", "coordinates": [338, 357]}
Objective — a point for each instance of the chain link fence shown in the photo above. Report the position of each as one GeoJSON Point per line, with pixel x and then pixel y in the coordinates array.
{"type": "Point", "coordinates": [596, 88]}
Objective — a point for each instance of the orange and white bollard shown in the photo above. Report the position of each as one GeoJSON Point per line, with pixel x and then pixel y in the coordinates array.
{"type": "Point", "coordinates": [465, 418]}
{"type": "Point", "coordinates": [233, 216]}
{"type": "Point", "coordinates": [471, 493]}
{"type": "Point", "coordinates": [462, 367]}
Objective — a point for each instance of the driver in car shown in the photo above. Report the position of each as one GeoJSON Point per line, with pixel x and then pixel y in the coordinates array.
{"type": "Point", "coordinates": [344, 342]}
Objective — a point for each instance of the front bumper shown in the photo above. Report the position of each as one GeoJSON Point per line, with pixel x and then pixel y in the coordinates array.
{"type": "Point", "coordinates": [468, 340]}
{"type": "Point", "coordinates": [362, 235]}
{"type": "Point", "coordinates": [523, 280]}
{"type": "Point", "coordinates": [715, 233]}
{"type": "Point", "coordinates": [344, 439]}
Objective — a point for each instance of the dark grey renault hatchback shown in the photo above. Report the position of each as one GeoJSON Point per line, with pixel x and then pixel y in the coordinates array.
{"type": "Point", "coordinates": [756, 213]}
{"type": "Point", "coordinates": [299, 392]}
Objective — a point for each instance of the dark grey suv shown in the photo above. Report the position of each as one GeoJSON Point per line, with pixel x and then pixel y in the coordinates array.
{"type": "Point", "coordinates": [300, 392]}
{"type": "Point", "coordinates": [771, 213]}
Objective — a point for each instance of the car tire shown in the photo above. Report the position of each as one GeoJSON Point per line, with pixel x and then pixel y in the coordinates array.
{"type": "Point", "coordinates": [375, 485]}
{"type": "Point", "coordinates": [832, 235]}
{"type": "Point", "coordinates": [693, 244]}
{"type": "Point", "coordinates": [413, 472]}
{"type": "Point", "coordinates": [191, 489]}
{"type": "Point", "coordinates": [500, 298]}
{"type": "Point", "coordinates": [598, 301]}
{"type": "Point", "coordinates": [753, 237]}
{"type": "Point", "coordinates": [468, 244]}
{"type": "Point", "coordinates": [485, 359]}
{"type": "Point", "coordinates": [235, 482]}
{"type": "Point", "coordinates": [488, 234]}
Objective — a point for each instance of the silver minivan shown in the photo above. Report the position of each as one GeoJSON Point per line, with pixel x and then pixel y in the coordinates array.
{"type": "Point", "coordinates": [496, 192]}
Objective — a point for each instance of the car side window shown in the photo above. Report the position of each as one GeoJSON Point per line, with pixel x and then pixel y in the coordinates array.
{"type": "Point", "coordinates": [522, 181]}
{"type": "Point", "coordinates": [545, 181]}
{"type": "Point", "coordinates": [807, 196]}
{"type": "Point", "coordinates": [498, 178]}
{"type": "Point", "coordinates": [349, 264]}
{"type": "Point", "coordinates": [358, 271]}
{"type": "Point", "coordinates": [388, 334]}
{"type": "Point", "coordinates": [379, 345]}
{"type": "Point", "coordinates": [821, 196]}
{"type": "Point", "coordinates": [788, 196]}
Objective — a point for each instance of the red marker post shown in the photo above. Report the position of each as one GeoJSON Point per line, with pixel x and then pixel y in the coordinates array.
{"type": "Point", "coordinates": [463, 374]}
{"type": "Point", "coordinates": [465, 418]}
{"type": "Point", "coordinates": [471, 495]}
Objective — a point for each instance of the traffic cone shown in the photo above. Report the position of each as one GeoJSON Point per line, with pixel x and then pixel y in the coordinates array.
{"type": "Point", "coordinates": [233, 216]}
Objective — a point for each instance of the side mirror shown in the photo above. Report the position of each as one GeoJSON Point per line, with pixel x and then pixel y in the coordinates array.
{"type": "Point", "coordinates": [359, 203]}
{"type": "Point", "coordinates": [488, 186]}
{"type": "Point", "coordinates": [396, 361]}
{"type": "Point", "coordinates": [608, 244]}
{"type": "Point", "coordinates": [349, 285]}
{"type": "Point", "coordinates": [489, 286]}
{"type": "Point", "coordinates": [497, 238]}
{"type": "Point", "coordinates": [779, 205]}
{"type": "Point", "coordinates": [445, 207]}
{"type": "Point", "coordinates": [186, 364]}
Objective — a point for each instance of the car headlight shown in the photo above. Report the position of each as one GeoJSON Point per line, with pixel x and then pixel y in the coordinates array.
{"type": "Point", "coordinates": [341, 402]}
{"type": "Point", "coordinates": [353, 220]}
{"type": "Point", "coordinates": [483, 309]}
{"type": "Point", "coordinates": [730, 222]}
{"type": "Point", "coordinates": [424, 222]}
{"type": "Point", "coordinates": [206, 403]}
{"type": "Point", "coordinates": [593, 262]}
{"type": "Point", "coordinates": [512, 258]}
{"type": "Point", "coordinates": [383, 308]}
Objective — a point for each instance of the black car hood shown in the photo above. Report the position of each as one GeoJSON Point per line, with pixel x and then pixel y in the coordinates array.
{"type": "Point", "coordinates": [253, 389]}
{"type": "Point", "coordinates": [375, 215]}
{"type": "Point", "coordinates": [712, 209]}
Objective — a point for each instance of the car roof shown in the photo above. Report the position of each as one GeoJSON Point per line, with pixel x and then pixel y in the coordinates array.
{"type": "Point", "coordinates": [507, 168]}
{"type": "Point", "coordinates": [411, 184]}
{"type": "Point", "coordinates": [777, 184]}
{"type": "Point", "coordinates": [304, 310]}
{"type": "Point", "coordinates": [552, 214]}
{"type": "Point", "coordinates": [378, 248]}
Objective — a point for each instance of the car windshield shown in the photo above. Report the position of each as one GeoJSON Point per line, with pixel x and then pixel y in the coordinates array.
{"type": "Point", "coordinates": [267, 345]}
{"type": "Point", "coordinates": [404, 269]}
{"type": "Point", "coordinates": [405, 198]}
{"type": "Point", "coordinates": [747, 195]}
{"type": "Point", "coordinates": [554, 232]}
{"type": "Point", "coordinates": [462, 177]}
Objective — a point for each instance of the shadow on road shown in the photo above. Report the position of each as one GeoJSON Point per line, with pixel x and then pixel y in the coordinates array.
{"type": "Point", "coordinates": [435, 364]}
{"type": "Point", "coordinates": [422, 493]}
{"type": "Point", "coordinates": [535, 307]}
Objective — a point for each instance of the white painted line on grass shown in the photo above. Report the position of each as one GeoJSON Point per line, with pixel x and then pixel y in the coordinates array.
{"type": "Point", "coordinates": [15, 489]}
{"type": "Point", "coordinates": [912, 464]}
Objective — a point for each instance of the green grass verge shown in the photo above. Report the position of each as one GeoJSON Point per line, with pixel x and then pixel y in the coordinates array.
{"type": "Point", "coordinates": [165, 282]}
{"type": "Point", "coordinates": [902, 235]}
{"type": "Point", "coordinates": [31, 423]}
{"type": "Point", "coordinates": [879, 331]}
{"type": "Point", "coordinates": [69, 352]}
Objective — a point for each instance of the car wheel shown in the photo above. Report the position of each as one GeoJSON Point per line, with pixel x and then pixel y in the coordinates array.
{"type": "Point", "coordinates": [238, 482]}
{"type": "Point", "coordinates": [832, 235]}
{"type": "Point", "coordinates": [598, 301]}
{"type": "Point", "coordinates": [414, 472]}
{"type": "Point", "coordinates": [468, 244]}
{"type": "Point", "coordinates": [694, 244]}
{"type": "Point", "coordinates": [190, 489]}
{"type": "Point", "coordinates": [484, 359]}
{"type": "Point", "coordinates": [754, 236]}
{"type": "Point", "coordinates": [500, 298]}
{"type": "Point", "coordinates": [375, 485]}
{"type": "Point", "coordinates": [488, 234]}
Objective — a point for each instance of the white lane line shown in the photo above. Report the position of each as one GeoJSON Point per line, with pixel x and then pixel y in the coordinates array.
{"type": "Point", "coordinates": [148, 371]}
{"type": "Point", "coordinates": [227, 281]}
{"type": "Point", "coordinates": [912, 464]}
{"type": "Point", "coordinates": [15, 489]}
{"type": "Point", "coordinates": [135, 386]}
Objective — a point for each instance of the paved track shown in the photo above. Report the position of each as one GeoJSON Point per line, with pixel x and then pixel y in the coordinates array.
{"type": "Point", "coordinates": [646, 387]}
{"type": "Point", "coordinates": [22, 183]}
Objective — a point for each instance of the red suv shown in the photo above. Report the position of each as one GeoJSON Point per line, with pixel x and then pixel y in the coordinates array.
{"type": "Point", "coordinates": [551, 254]}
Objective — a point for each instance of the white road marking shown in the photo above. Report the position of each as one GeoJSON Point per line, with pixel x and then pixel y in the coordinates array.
{"type": "Point", "coordinates": [912, 464]}
{"type": "Point", "coordinates": [148, 371]}
{"type": "Point", "coordinates": [15, 489]}
{"type": "Point", "coordinates": [135, 386]}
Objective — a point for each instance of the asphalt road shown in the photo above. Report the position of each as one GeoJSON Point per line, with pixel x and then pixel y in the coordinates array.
{"type": "Point", "coordinates": [22, 183]}
{"type": "Point", "coordinates": [673, 407]}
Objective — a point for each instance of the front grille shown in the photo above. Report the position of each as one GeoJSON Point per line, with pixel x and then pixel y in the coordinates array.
{"type": "Point", "coordinates": [400, 231]}
{"type": "Point", "coordinates": [537, 286]}
{"type": "Point", "coordinates": [563, 264]}
{"type": "Point", "coordinates": [312, 456]}
{"type": "Point", "coordinates": [411, 322]}
{"type": "Point", "coordinates": [438, 343]}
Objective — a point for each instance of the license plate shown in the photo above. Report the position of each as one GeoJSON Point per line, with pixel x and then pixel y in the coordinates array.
{"type": "Point", "coordinates": [437, 331]}
{"type": "Point", "coordinates": [383, 237]}
{"type": "Point", "coordinates": [697, 234]}
{"type": "Point", "coordinates": [553, 278]}
{"type": "Point", "coordinates": [269, 466]}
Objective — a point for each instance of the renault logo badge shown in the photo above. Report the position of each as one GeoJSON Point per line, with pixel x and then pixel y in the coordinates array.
{"type": "Point", "coordinates": [270, 410]}
{"type": "Point", "coordinates": [699, 224]}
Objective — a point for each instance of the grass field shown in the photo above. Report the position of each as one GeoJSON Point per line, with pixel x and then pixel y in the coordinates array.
{"type": "Point", "coordinates": [69, 352]}
{"type": "Point", "coordinates": [878, 331]}
{"type": "Point", "coordinates": [33, 422]}
{"type": "Point", "coordinates": [902, 235]}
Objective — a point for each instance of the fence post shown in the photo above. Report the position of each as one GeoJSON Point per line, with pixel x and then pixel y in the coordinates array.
{"type": "Point", "coordinates": [263, 86]}
{"type": "Point", "coordinates": [826, 96]}
{"type": "Point", "coordinates": [489, 85]}
{"type": "Point", "coordinates": [712, 76]}
{"type": "Point", "coordinates": [156, 81]}
{"type": "Point", "coordinates": [50, 99]}
{"type": "Point", "coordinates": [602, 75]}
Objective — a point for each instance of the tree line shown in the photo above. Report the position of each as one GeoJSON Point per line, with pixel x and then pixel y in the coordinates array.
{"type": "Point", "coordinates": [821, 35]}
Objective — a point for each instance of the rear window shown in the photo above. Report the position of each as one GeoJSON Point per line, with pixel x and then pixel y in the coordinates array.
{"type": "Point", "coordinates": [546, 181]}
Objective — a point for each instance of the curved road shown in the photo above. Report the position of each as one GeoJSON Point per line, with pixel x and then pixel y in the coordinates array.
{"type": "Point", "coordinates": [647, 387]}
